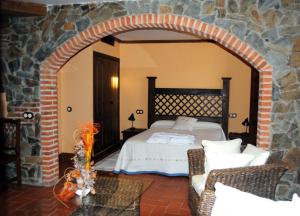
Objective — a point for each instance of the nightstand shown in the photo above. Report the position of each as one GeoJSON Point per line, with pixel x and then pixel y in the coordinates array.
{"type": "Point", "coordinates": [131, 132]}
{"type": "Point", "coordinates": [244, 136]}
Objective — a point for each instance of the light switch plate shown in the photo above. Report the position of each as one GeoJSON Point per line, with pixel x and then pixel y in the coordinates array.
{"type": "Point", "coordinates": [28, 115]}
{"type": "Point", "coordinates": [139, 111]}
{"type": "Point", "coordinates": [232, 115]}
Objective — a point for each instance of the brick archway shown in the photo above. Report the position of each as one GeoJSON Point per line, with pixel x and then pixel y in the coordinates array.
{"type": "Point", "coordinates": [50, 67]}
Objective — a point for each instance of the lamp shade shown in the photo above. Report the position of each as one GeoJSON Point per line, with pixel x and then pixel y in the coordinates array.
{"type": "Point", "coordinates": [246, 122]}
{"type": "Point", "coordinates": [131, 117]}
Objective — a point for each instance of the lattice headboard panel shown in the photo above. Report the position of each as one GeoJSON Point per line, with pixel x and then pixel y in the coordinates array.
{"type": "Point", "coordinates": [188, 105]}
{"type": "Point", "coordinates": [205, 104]}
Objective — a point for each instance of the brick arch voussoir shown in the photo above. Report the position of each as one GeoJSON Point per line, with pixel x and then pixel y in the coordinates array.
{"type": "Point", "coordinates": [50, 67]}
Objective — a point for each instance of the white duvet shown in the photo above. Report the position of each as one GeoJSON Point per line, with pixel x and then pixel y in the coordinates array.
{"type": "Point", "coordinates": [138, 156]}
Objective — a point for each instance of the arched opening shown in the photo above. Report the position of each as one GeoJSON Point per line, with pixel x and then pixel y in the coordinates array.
{"type": "Point", "coordinates": [50, 67]}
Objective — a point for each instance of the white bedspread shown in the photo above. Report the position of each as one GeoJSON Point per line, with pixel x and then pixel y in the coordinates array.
{"type": "Point", "coordinates": [138, 156]}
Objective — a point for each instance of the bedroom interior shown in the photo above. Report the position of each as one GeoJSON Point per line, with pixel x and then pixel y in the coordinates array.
{"type": "Point", "coordinates": [136, 62]}
{"type": "Point", "coordinates": [47, 71]}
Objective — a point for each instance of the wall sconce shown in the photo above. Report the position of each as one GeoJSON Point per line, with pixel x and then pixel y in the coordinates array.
{"type": "Point", "coordinates": [115, 82]}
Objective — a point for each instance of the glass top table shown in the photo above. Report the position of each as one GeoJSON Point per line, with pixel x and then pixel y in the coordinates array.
{"type": "Point", "coordinates": [114, 196]}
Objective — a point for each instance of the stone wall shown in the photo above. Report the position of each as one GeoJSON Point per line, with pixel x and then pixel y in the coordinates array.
{"type": "Point", "coordinates": [271, 27]}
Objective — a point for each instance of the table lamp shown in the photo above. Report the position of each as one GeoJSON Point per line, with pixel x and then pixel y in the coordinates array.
{"type": "Point", "coordinates": [246, 124]}
{"type": "Point", "coordinates": [132, 119]}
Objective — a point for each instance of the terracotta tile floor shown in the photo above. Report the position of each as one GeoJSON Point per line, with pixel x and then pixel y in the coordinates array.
{"type": "Point", "coordinates": [166, 196]}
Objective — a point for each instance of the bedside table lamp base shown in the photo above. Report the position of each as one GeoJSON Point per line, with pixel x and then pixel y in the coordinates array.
{"type": "Point", "coordinates": [132, 128]}
{"type": "Point", "coordinates": [132, 119]}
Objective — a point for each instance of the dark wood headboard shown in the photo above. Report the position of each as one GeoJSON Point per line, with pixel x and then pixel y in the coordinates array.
{"type": "Point", "coordinates": [204, 104]}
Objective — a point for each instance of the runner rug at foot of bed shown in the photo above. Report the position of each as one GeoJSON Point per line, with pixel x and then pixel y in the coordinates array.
{"type": "Point", "coordinates": [108, 163]}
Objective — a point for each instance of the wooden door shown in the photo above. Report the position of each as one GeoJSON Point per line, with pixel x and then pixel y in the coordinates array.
{"type": "Point", "coordinates": [253, 106]}
{"type": "Point", "coordinates": [106, 104]}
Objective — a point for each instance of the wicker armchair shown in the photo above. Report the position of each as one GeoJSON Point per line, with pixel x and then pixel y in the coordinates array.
{"type": "Point", "coordinates": [258, 180]}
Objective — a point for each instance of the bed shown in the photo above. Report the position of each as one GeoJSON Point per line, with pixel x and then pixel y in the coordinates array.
{"type": "Point", "coordinates": [209, 106]}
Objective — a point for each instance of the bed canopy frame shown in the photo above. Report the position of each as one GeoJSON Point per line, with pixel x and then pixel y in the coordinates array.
{"type": "Point", "coordinates": [204, 104]}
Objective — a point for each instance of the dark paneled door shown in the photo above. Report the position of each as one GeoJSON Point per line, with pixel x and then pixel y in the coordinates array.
{"type": "Point", "coordinates": [106, 103]}
{"type": "Point", "coordinates": [253, 105]}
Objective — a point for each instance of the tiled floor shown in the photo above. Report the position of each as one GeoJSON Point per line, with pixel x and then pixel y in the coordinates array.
{"type": "Point", "coordinates": [166, 196]}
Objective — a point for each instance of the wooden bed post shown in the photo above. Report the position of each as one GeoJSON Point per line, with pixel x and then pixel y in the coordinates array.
{"type": "Point", "coordinates": [151, 99]}
{"type": "Point", "coordinates": [225, 104]}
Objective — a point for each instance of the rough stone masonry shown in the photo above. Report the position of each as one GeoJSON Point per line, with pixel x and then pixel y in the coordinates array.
{"type": "Point", "coordinates": [271, 27]}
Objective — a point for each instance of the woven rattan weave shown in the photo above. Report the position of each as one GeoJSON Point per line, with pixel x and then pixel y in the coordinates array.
{"type": "Point", "coordinates": [114, 196]}
{"type": "Point", "coordinates": [258, 180]}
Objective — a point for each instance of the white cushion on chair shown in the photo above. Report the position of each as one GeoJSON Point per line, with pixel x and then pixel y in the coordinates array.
{"type": "Point", "coordinates": [219, 161]}
{"type": "Point", "coordinates": [223, 161]}
{"type": "Point", "coordinates": [260, 156]}
{"type": "Point", "coordinates": [198, 183]}
{"type": "Point", "coordinates": [224, 147]}
{"type": "Point", "coordinates": [233, 202]}
{"type": "Point", "coordinates": [220, 147]}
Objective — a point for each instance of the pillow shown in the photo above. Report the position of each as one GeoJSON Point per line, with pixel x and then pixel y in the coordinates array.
{"type": "Point", "coordinates": [198, 183]}
{"type": "Point", "coordinates": [260, 156]}
{"type": "Point", "coordinates": [184, 123]}
{"type": "Point", "coordinates": [224, 147]}
{"type": "Point", "coordinates": [233, 202]}
{"type": "Point", "coordinates": [201, 124]}
{"type": "Point", "coordinates": [163, 124]}
{"type": "Point", "coordinates": [224, 161]}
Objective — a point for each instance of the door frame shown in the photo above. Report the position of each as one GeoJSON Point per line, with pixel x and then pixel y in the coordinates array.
{"type": "Point", "coordinates": [253, 111]}
{"type": "Point", "coordinates": [105, 152]}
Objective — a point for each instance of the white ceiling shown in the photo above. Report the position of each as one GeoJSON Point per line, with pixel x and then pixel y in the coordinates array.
{"type": "Point", "coordinates": [138, 35]}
